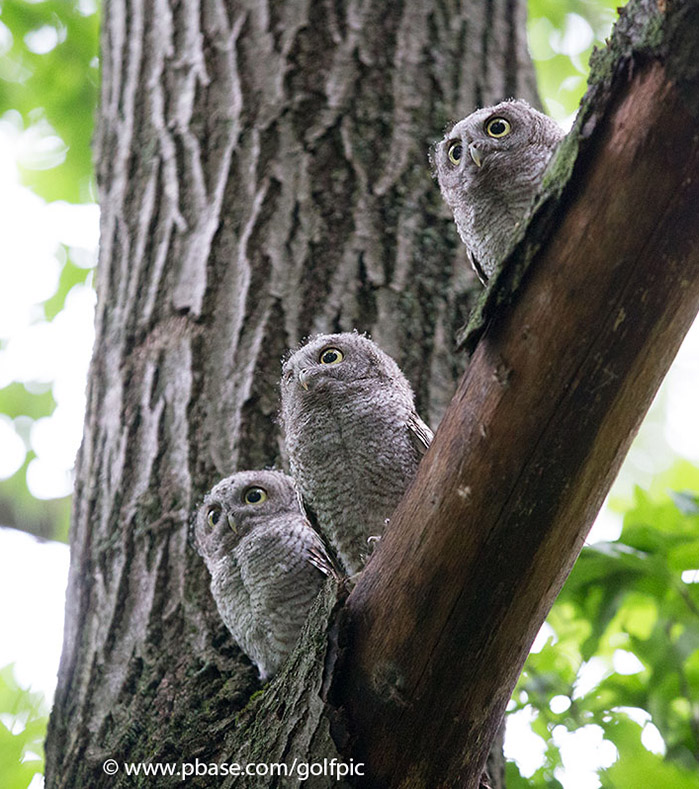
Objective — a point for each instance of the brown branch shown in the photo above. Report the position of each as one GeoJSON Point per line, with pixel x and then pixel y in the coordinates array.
{"type": "Point", "coordinates": [443, 617]}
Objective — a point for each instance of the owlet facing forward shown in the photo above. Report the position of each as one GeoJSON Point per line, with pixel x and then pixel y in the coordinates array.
{"type": "Point", "coordinates": [267, 564]}
{"type": "Point", "coordinates": [489, 167]}
{"type": "Point", "coordinates": [353, 436]}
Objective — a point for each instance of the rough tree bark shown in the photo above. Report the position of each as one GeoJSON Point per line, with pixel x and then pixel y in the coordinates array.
{"type": "Point", "coordinates": [263, 174]}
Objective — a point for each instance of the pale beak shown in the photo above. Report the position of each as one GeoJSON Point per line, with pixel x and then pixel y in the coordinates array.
{"type": "Point", "coordinates": [476, 155]}
{"type": "Point", "coordinates": [304, 375]}
{"type": "Point", "coordinates": [232, 524]}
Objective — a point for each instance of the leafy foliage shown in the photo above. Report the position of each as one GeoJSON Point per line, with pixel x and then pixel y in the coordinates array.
{"type": "Point", "coordinates": [561, 39]}
{"type": "Point", "coordinates": [636, 596]}
{"type": "Point", "coordinates": [23, 722]}
{"type": "Point", "coordinates": [48, 91]}
{"type": "Point", "coordinates": [48, 75]}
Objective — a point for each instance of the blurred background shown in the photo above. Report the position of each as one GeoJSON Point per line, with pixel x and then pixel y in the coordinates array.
{"type": "Point", "coordinates": [610, 693]}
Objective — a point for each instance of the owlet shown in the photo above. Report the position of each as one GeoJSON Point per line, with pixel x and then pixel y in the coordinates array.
{"type": "Point", "coordinates": [267, 564]}
{"type": "Point", "coordinates": [353, 436]}
{"type": "Point", "coordinates": [489, 167]}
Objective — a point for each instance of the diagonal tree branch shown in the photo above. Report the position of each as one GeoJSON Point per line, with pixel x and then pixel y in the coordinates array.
{"type": "Point", "coordinates": [443, 617]}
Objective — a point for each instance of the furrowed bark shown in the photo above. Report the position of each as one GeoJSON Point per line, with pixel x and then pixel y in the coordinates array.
{"type": "Point", "coordinates": [443, 617]}
{"type": "Point", "coordinates": [263, 175]}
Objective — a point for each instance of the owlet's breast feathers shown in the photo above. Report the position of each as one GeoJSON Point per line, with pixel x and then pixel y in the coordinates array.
{"type": "Point", "coordinates": [489, 167]}
{"type": "Point", "coordinates": [353, 436]}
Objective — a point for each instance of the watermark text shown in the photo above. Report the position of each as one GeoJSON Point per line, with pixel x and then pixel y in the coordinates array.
{"type": "Point", "coordinates": [332, 768]}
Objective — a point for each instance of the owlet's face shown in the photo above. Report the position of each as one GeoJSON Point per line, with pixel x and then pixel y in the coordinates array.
{"type": "Point", "coordinates": [331, 360]}
{"type": "Point", "coordinates": [495, 141]}
{"type": "Point", "coordinates": [489, 167]}
{"type": "Point", "coordinates": [238, 504]}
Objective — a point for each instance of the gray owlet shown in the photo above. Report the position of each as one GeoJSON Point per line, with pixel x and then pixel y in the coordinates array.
{"type": "Point", "coordinates": [353, 436]}
{"type": "Point", "coordinates": [267, 564]}
{"type": "Point", "coordinates": [489, 167]}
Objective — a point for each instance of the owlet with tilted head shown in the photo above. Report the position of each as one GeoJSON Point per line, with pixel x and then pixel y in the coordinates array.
{"type": "Point", "coordinates": [489, 167]}
{"type": "Point", "coordinates": [267, 564]}
{"type": "Point", "coordinates": [353, 436]}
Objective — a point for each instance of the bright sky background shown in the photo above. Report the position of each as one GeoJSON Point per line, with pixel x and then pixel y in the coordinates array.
{"type": "Point", "coordinates": [33, 575]}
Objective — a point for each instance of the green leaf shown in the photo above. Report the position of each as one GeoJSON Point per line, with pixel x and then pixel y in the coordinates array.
{"type": "Point", "coordinates": [16, 400]}
{"type": "Point", "coordinates": [639, 767]}
{"type": "Point", "coordinates": [58, 87]}
{"type": "Point", "coordinates": [71, 275]}
{"type": "Point", "coordinates": [47, 519]}
{"type": "Point", "coordinates": [22, 731]}
{"type": "Point", "coordinates": [561, 78]}
{"type": "Point", "coordinates": [684, 556]}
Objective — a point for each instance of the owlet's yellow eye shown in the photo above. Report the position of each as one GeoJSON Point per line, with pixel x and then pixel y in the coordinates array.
{"type": "Point", "coordinates": [498, 127]}
{"type": "Point", "coordinates": [455, 152]}
{"type": "Point", "coordinates": [213, 516]}
{"type": "Point", "coordinates": [254, 495]}
{"type": "Point", "coordinates": [331, 356]}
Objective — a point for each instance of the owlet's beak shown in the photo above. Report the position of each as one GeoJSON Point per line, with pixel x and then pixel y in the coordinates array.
{"type": "Point", "coordinates": [304, 375]}
{"type": "Point", "coordinates": [476, 155]}
{"type": "Point", "coordinates": [232, 524]}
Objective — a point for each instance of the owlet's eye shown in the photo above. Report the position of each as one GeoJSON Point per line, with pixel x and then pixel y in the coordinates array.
{"type": "Point", "coordinates": [213, 516]}
{"type": "Point", "coordinates": [455, 152]}
{"type": "Point", "coordinates": [331, 356]}
{"type": "Point", "coordinates": [498, 127]}
{"type": "Point", "coordinates": [254, 495]}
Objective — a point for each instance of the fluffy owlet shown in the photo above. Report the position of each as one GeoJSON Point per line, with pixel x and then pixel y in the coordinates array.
{"type": "Point", "coordinates": [353, 436]}
{"type": "Point", "coordinates": [266, 562]}
{"type": "Point", "coordinates": [489, 168]}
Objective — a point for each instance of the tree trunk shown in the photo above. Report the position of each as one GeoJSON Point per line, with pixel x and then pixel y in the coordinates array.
{"type": "Point", "coordinates": [263, 175]}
